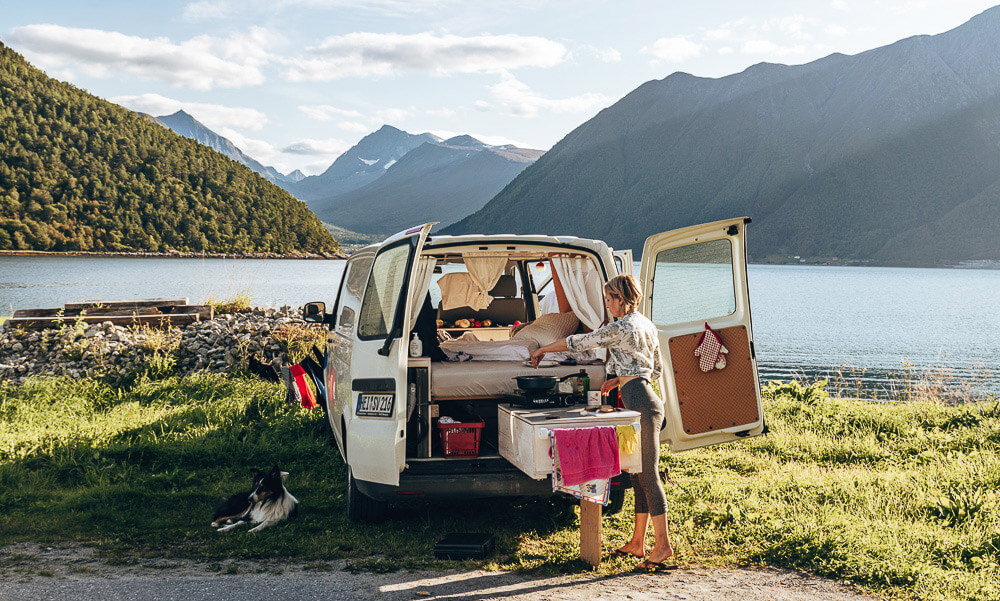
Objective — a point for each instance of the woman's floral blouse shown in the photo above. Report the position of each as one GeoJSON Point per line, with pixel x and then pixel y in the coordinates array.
{"type": "Point", "coordinates": [632, 343]}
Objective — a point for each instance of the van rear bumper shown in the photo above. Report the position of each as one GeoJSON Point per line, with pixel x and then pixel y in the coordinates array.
{"type": "Point", "coordinates": [458, 478]}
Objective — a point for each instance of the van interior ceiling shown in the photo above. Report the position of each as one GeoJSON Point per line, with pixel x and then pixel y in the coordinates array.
{"type": "Point", "coordinates": [471, 356]}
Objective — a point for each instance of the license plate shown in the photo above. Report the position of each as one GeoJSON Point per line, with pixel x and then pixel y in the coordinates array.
{"type": "Point", "coordinates": [375, 405]}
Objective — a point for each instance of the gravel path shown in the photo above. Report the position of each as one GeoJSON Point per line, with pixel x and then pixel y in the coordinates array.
{"type": "Point", "coordinates": [34, 573]}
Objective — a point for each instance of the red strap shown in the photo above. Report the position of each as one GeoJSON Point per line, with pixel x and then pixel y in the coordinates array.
{"type": "Point", "coordinates": [299, 374]}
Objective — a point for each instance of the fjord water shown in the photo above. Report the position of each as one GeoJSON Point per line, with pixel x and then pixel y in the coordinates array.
{"type": "Point", "coordinates": [807, 320]}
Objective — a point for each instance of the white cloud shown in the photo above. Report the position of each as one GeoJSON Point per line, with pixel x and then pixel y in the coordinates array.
{"type": "Point", "coordinates": [605, 55]}
{"type": "Point", "coordinates": [839, 4]}
{"type": "Point", "coordinates": [202, 63]}
{"type": "Point", "coordinates": [373, 54]}
{"type": "Point", "coordinates": [522, 100]}
{"type": "Point", "coordinates": [354, 126]}
{"type": "Point", "coordinates": [482, 106]}
{"type": "Point", "coordinates": [442, 112]}
{"type": "Point", "coordinates": [261, 150]}
{"type": "Point", "coordinates": [215, 116]}
{"type": "Point", "coordinates": [327, 147]}
{"type": "Point", "coordinates": [725, 50]}
{"type": "Point", "coordinates": [391, 114]}
{"type": "Point", "coordinates": [221, 9]}
{"type": "Point", "coordinates": [325, 112]}
{"type": "Point", "coordinates": [721, 33]}
{"type": "Point", "coordinates": [674, 50]}
{"type": "Point", "coordinates": [836, 31]}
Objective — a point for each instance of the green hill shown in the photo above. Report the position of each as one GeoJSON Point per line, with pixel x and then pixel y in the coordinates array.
{"type": "Point", "coordinates": [891, 156]}
{"type": "Point", "coordinates": [80, 173]}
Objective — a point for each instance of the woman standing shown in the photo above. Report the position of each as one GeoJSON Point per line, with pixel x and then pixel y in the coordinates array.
{"type": "Point", "coordinates": [633, 363]}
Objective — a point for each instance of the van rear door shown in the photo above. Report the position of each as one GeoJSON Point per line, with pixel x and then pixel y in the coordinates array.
{"type": "Point", "coordinates": [692, 277]}
{"type": "Point", "coordinates": [623, 261]}
{"type": "Point", "coordinates": [376, 414]}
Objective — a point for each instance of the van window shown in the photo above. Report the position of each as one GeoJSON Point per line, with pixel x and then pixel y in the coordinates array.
{"type": "Point", "coordinates": [693, 283]}
{"type": "Point", "coordinates": [378, 309]}
{"type": "Point", "coordinates": [352, 284]}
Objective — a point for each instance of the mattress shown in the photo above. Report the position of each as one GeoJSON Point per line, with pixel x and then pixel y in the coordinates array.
{"type": "Point", "coordinates": [496, 378]}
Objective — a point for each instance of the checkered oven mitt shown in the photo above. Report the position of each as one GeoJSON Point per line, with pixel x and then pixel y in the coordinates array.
{"type": "Point", "coordinates": [710, 350]}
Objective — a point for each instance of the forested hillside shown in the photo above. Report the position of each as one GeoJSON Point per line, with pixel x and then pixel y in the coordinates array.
{"type": "Point", "coordinates": [80, 173]}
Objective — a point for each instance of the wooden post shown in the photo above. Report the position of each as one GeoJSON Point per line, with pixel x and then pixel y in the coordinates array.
{"type": "Point", "coordinates": [590, 532]}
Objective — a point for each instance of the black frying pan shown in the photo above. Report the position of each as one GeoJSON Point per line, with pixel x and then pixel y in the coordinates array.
{"type": "Point", "coordinates": [534, 383]}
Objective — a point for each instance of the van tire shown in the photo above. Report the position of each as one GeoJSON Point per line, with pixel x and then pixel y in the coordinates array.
{"type": "Point", "coordinates": [360, 507]}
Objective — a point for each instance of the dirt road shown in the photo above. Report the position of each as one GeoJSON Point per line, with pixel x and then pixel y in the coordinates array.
{"type": "Point", "coordinates": [30, 573]}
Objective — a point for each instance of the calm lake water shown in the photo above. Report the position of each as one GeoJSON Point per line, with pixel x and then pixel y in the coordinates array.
{"type": "Point", "coordinates": [865, 322]}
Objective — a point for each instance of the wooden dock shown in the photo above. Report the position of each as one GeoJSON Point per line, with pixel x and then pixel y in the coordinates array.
{"type": "Point", "coordinates": [155, 313]}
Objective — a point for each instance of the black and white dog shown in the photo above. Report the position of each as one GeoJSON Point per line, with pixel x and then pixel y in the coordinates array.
{"type": "Point", "coordinates": [267, 504]}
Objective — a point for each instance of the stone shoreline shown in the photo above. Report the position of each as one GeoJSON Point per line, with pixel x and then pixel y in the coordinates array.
{"type": "Point", "coordinates": [218, 345]}
{"type": "Point", "coordinates": [174, 254]}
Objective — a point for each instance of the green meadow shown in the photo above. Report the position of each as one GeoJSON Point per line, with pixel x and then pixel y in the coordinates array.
{"type": "Point", "coordinates": [898, 498]}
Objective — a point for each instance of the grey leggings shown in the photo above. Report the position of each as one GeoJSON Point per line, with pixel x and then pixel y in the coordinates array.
{"type": "Point", "coordinates": [638, 395]}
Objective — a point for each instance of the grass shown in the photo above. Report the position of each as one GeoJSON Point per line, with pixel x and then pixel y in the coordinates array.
{"type": "Point", "coordinates": [238, 303]}
{"type": "Point", "coordinates": [897, 498]}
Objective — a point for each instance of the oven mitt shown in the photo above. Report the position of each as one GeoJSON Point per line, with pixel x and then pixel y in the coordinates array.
{"type": "Point", "coordinates": [711, 353]}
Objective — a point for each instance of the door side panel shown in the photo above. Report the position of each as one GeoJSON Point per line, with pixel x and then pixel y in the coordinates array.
{"type": "Point", "coordinates": [719, 399]}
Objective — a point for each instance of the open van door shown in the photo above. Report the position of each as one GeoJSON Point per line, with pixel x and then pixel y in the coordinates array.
{"type": "Point", "coordinates": [375, 416]}
{"type": "Point", "coordinates": [623, 261]}
{"type": "Point", "coordinates": [692, 277]}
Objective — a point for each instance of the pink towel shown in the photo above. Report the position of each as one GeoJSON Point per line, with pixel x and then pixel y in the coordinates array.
{"type": "Point", "coordinates": [587, 454]}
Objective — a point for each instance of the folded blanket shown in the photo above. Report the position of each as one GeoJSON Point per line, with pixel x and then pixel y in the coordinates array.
{"type": "Point", "coordinates": [495, 350]}
{"type": "Point", "coordinates": [587, 454]}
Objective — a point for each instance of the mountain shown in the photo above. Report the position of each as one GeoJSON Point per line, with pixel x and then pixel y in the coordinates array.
{"type": "Point", "coordinates": [80, 173]}
{"type": "Point", "coordinates": [362, 164]}
{"type": "Point", "coordinates": [891, 156]}
{"type": "Point", "coordinates": [434, 182]}
{"type": "Point", "coordinates": [189, 127]}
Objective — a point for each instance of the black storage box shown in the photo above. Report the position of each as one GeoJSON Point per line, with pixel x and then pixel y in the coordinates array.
{"type": "Point", "coordinates": [464, 545]}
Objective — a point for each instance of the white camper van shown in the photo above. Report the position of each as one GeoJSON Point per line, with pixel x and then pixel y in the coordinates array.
{"type": "Point", "coordinates": [386, 399]}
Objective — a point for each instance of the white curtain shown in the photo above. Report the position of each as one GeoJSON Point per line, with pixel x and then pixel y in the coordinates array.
{"type": "Point", "coordinates": [582, 285]}
{"type": "Point", "coordinates": [485, 269]}
{"type": "Point", "coordinates": [419, 286]}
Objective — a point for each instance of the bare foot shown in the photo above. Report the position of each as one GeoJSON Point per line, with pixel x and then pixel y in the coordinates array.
{"type": "Point", "coordinates": [634, 549]}
{"type": "Point", "coordinates": [661, 554]}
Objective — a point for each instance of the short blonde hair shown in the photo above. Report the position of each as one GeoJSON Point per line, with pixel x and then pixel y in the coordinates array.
{"type": "Point", "coordinates": [627, 289]}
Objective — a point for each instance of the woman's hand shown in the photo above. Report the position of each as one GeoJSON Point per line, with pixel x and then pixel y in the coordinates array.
{"type": "Point", "coordinates": [608, 386]}
{"type": "Point", "coordinates": [537, 356]}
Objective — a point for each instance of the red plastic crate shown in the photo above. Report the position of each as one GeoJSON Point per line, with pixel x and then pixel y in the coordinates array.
{"type": "Point", "coordinates": [461, 439]}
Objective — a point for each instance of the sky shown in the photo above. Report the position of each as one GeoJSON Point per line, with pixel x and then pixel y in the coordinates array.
{"type": "Point", "coordinates": [294, 83]}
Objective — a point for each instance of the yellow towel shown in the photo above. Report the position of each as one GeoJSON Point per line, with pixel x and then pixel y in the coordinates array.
{"type": "Point", "coordinates": [627, 442]}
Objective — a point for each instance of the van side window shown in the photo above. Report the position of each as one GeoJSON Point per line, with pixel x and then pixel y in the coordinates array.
{"type": "Point", "coordinates": [353, 285]}
{"type": "Point", "coordinates": [693, 283]}
{"type": "Point", "coordinates": [378, 309]}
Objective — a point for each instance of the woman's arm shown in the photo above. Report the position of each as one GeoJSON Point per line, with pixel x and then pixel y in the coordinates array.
{"type": "Point", "coordinates": [555, 347]}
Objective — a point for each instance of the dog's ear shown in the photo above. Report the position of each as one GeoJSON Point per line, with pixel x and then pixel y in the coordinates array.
{"type": "Point", "coordinates": [255, 473]}
{"type": "Point", "coordinates": [275, 471]}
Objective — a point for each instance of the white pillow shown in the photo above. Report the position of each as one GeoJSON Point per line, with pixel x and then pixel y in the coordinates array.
{"type": "Point", "coordinates": [548, 328]}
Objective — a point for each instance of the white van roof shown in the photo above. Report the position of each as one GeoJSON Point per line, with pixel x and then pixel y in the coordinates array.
{"type": "Point", "coordinates": [597, 246]}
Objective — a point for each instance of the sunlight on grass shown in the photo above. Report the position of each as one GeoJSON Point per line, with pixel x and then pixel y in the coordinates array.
{"type": "Point", "coordinates": [897, 498]}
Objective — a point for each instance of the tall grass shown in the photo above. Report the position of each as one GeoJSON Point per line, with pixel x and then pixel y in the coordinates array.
{"type": "Point", "coordinates": [899, 499]}
{"type": "Point", "coordinates": [238, 303]}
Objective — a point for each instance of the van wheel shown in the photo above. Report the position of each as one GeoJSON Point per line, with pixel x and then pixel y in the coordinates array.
{"type": "Point", "coordinates": [360, 507]}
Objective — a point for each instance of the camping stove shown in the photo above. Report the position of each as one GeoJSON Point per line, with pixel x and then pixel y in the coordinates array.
{"type": "Point", "coordinates": [541, 398]}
